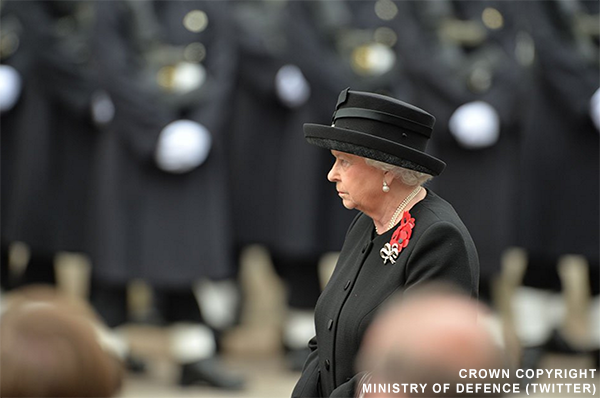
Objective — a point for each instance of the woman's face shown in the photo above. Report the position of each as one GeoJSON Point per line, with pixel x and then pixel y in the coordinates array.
{"type": "Point", "coordinates": [358, 184]}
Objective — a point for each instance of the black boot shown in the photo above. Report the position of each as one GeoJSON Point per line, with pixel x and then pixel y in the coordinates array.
{"type": "Point", "coordinates": [530, 359]}
{"type": "Point", "coordinates": [135, 364]}
{"type": "Point", "coordinates": [211, 373]}
{"type": "Point", "coordinates": [559, 344]}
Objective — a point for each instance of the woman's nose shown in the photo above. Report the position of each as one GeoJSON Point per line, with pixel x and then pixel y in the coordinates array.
{"type": "Point", "coordinates": [332, 176]}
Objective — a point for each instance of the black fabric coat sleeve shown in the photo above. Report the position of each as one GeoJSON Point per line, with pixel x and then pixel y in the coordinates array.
{"type": "Point", "coordinates": [432, 261]}
{"type": "Point", "coordinates": [309, 386]}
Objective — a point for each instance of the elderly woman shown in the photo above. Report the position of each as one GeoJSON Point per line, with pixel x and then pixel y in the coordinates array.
{"type": "Point", "coordinates": [404, 235]}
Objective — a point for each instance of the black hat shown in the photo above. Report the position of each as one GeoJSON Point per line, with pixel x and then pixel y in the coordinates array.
{"type": "Point", "coordinates": [378, 127]}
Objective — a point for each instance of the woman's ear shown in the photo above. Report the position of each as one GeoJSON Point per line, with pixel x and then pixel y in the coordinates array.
{"type": "Point", "coordinates": [387, 177]}
{"type": "Point", "coordinates": [386, 184]}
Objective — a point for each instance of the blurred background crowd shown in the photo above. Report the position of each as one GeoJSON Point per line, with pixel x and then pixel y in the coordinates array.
{"type": "Point", "coordinates": [147, 144]}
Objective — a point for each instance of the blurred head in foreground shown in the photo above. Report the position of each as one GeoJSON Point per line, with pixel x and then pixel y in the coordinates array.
{"type": "Point", "coordinates": [50, 347]}
{"type": "Point", "coordinates": [427, 337]}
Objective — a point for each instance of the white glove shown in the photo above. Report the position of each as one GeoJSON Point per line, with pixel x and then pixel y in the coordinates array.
{"type": "Point", "coordinates": [291, 85]}
{"type": "Point", "coordinates": [103, 109]}
{"type": "Point", "coordinates": [182, 146]}
{"type": "Point", "coordinates": [218, 302]}
{"type": "Point", "coordinates": [378, 59]}
{"type": "Point", "coordinates": [191, 342]}
{"type": "Point", "coordinates": [536, 313]}
{"type": "Point", "coordinates": [595, 109]}
{"type": "Point", "coordinates": [10, 87]}
{"type": "Point", "coordinates": [475, 125]}
{"type": "Point", "coordinates": [188, 77]}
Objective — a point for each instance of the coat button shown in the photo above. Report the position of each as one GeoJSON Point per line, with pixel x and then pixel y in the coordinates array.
{"type": "Point", "coordinates": [327, 364]}
{"type": "Point", "coordinates": [330, 324]}
{"type": "Point", "coordinates": [347, 285]}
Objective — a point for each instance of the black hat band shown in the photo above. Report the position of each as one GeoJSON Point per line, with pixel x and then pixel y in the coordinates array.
{"type": "Point", "coordinates": [386, 128]}
{"type": "Point", "coordinates": [383, 117]}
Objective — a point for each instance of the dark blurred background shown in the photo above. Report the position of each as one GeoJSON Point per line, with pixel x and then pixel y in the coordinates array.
{"type": "Point", "coordinates": [148, 146]}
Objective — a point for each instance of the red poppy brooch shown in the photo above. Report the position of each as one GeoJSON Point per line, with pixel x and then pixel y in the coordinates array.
{"type": "Point", "coordinates": [391, 250]}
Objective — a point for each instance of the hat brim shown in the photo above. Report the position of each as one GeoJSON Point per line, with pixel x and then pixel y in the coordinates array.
{"type": "Point", "coordinates": [368, 146]}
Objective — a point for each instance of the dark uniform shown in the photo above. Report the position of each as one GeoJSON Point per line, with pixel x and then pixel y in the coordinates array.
{"type": "Point", "coordinates": [11, 29]}
{"type": "Point", "coordinates": [256, 131]}
{"type": "Point", "coordinates": [266, 163]}
{"type": "Point", "coordinates": [258, 158]}
{"type": "Point", "coordinates": [440, 248]}
{"type": "Point", "coordinates": [166, 228]}
{"type": "Point", "coordinates": [162, 62]}
{"type": "Point", "coordinates": [51, 133]}
{"type": "Point", "coordinates": [454, 58]}
{"type": "Point", "coordinates": [559, 192]}
{"type": "Point", "coordinates": [559, 152]}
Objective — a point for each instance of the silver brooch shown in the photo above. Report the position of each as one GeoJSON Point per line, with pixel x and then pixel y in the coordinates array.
{"type": "Point", "coordinates": [389, 252]}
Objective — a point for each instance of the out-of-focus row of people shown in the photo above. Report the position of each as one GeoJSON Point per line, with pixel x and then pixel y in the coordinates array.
{"type": "Point", "coordinates": [161, 138]}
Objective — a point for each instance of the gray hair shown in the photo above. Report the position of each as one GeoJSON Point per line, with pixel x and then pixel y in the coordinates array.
{"type": "Point", "coordinates": [407, 176]}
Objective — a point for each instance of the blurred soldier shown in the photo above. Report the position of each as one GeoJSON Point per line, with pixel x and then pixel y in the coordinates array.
{"type": "Point", "coordinates": [49, 136]}
{"type": "Point", "coordinates": [270, 91]}
{"type": "Point", "coordinates": [161, 210]}
{"type": "Point", "coordinates": [14, 65]}
{"type": "Point", "coordinates": [558, 210]}
{"type": "Point", "coordinates": [462, 57]}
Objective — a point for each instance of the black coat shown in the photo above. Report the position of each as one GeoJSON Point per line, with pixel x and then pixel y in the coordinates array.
{"type": "Point", "coordinates": [560, 165]}
{"type": "Point", "coordinates": [258, 128]}
{"type": "Point", "coordinates": [50, 133]}
{"type": "Point", "coordinates": [440, 249]}
{"type": "Point", "coordinates": [169, 229]}
{"type": "Point", "coordinates": [269, 157]}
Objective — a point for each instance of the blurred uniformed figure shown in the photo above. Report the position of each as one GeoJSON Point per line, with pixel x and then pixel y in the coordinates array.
{"type": "Point", "coordinates": [161, 206]}
{"type": "Point", "coordinates": [48, 134]}
{"type": "Point", "coordinates": [559, 171]}
{"type": "Point", "coordinates": [14, 65]}
{"type": "Point", "coordinates": [462, 57]}
{"type": "Point", "coordinates": [271, 90]}
{"type": "Point", "coordinates": [293, 52]}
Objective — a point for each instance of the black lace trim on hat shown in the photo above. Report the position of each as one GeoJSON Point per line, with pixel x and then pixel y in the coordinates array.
{"type": "Point", "coordinates": [368, 153]}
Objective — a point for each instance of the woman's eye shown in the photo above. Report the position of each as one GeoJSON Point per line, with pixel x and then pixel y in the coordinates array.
{"type": "Point", "coordinates": [343, 162]}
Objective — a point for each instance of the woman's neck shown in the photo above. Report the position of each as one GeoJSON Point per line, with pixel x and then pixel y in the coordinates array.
{"type": "Point", "coordinates": [391, 205]}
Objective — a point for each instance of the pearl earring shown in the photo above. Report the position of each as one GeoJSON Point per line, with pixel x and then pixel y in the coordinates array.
{"type": "Point", "coordinates": [386, 187]}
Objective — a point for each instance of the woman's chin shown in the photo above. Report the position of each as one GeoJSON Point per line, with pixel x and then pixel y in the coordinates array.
{"type": "Point", "coordinates": [347, 204]}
